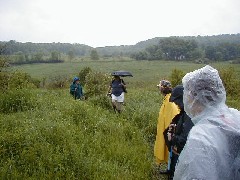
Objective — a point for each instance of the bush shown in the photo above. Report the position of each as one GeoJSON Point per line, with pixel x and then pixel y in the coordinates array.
{"type": "Point", "coordinates": [17, 100]}
{"type": "Point", "coordinates": [176, 77]}
{"type": "Point", "coordinates": [61, 81]}
{"type": "Point", "coordinates": [97, 83]}
{"type": "Point", "coordinates": [17, 80]}
{"type": "Point", "coordinates": [83, 73]}
{"type": "Point", "coordinates": [4, 79]}
{"type": "Point", "coordinates": [231, 81]}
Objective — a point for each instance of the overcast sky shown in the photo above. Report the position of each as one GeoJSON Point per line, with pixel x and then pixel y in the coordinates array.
{"type": "Point", "coordinates": [100, 23]}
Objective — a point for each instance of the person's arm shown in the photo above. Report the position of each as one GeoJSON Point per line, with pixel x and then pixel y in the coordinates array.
{"type": "Point", "coordinates": [81, 91]}
{"type": "Point", "coordinates": [123, 83]}
{"type": "Point", "coordinates": [179, 140]}
{"type": "Point", "coordinates": [72, 89]}
{"type": "Point", "coordinates": [109, 92]}
{"type": "Point", "coordinates": [109, 89]}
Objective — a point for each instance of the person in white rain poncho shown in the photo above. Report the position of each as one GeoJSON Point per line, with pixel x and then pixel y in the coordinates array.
{"type": "Point", "coordinates": [212, 150]}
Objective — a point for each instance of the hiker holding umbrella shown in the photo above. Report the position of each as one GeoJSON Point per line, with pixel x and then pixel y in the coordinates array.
{"type": "Point", "coordinates": [116, 90]}
{"type": "Point", "coordinates": [76, 89]}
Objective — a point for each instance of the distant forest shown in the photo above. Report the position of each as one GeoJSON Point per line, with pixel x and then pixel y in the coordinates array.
{"type": "Point", "coordinates": [198, 48]}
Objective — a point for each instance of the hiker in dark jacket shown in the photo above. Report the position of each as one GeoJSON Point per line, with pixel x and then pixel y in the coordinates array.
{"type": "Point", "coordinates": [116, 89]}
{"type": "Point", "coordinates": [177, 132]}
{"type": "Point", "coordinates": [76, 89]}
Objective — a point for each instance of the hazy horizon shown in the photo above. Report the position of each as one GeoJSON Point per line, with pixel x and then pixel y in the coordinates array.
{"type": "Point", "coordinates": [115, 23]}
{"type": "Point", "coordinates": [117, 45]}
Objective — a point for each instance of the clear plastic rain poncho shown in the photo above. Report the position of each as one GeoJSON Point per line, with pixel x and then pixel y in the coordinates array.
{"type": "Point", "coordinates": [212, 150]}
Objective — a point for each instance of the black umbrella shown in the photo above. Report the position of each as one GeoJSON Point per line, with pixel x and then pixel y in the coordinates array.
{"type": "Point", "coordinates": [121, 73]}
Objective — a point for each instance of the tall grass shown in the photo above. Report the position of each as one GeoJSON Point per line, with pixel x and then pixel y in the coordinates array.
{"type": "Point", "coordinates": [68, 139]}
{"type": "Point", "coordinates": [146, 73]}
{"type": "Point", "coordinates": [17, 100]}
{"type": "Point", "coordinates": [46, 134]}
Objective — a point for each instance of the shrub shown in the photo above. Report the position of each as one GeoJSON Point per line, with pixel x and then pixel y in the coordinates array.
{"type": "Point", "coordinates": [231, 81]}
{"type": "Point", "coordinates": [17, 100]}
{"type": "Point", "coordinates": [3, 62]}
{"type": "Point", "coordinates": [176, 77]}
{"type": "Point", "coordinates": [60, 81]}
{"type": "Point", "coordinates": [4, 79]}
{"type": "Point", "coordinates": [97, 83]}
{"type": "Point", "coordinates": [17, 80]}
{"type": "Point", "coordinates": [83, 73]}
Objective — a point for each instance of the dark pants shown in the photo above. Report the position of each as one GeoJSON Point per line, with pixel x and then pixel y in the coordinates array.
{"type": "Point", "coordinates": [174, 160]}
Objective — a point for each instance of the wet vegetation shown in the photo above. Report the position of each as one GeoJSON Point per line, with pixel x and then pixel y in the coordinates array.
{"type": "Point", "coordinates": [46, 134]}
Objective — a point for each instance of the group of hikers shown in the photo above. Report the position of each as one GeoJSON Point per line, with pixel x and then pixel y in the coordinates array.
{"type": "Point", "coordinates": [172, 128]}
{"type": "Point", "coordinates": [198, 135]}
{"type": "Point", "coordinates": [116, 91]}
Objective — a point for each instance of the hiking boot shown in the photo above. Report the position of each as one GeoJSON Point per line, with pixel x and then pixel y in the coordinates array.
{"type": "Point", "coordinates": [164, 171]}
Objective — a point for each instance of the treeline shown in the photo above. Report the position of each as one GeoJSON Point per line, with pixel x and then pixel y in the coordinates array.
{"type": "Point", "coordinates": [177, 48]}
{"type": "Point", "coordinates": [13, 47]}
{"type": "Point", "coordinates": [28, 53]}
{"type": "Point", "coordinates": [143, 46]}
{"type": "Point", "coordinates": [221, 47]}
{"type": "Point", "coordinates": [39, 57]}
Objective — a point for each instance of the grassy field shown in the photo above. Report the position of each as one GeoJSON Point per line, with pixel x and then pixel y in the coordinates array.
{"type": "Point", "coordinates": [147, 73]}
{"type": "Point", "coordinates": [52, 136]}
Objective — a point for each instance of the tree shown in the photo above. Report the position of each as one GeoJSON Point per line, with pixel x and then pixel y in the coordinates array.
{"type": "Point", "coordinates": [176, 48]}
{"type": "Point", "coordinates": [71, 55]}
{"type": "Point", "coordinates": [55, 56]}
{"type": "Point", "coordinates": [94, 54]}
{"type": "Point", "coordinates": [142, 55]}
{"type": "Point", "coordinates": [196, 53]}
{"type": "Point", "coordinates": [38, 57]}
{"type": "Point", "coordinates": [210, 52]}
{"type": "Point", "coordinates": [154, 53]}
{"type": "Point", "coordinates": [20, 58]}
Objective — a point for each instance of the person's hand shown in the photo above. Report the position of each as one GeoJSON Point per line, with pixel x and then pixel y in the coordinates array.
{"type": "Point", "coordinates": [171, 128]}
{"type": "Point", "coordinates": [175, 151]}
{"type": "Point", "coordinates": [121, 84]}
{"type": "Point", "coordinates": [169, 136]}
{"type": "Point", "coordinates": [108, 94]}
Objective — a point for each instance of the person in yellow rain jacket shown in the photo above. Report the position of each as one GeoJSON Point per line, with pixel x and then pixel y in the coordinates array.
{"type": "Point", "coordinates": [168, 111]}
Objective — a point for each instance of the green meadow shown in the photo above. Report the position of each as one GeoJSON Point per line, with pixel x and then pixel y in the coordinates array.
{"type": "Point", "coordinates": [147, 73]}
{"type": "Point", "coordinates": [46, 134]}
